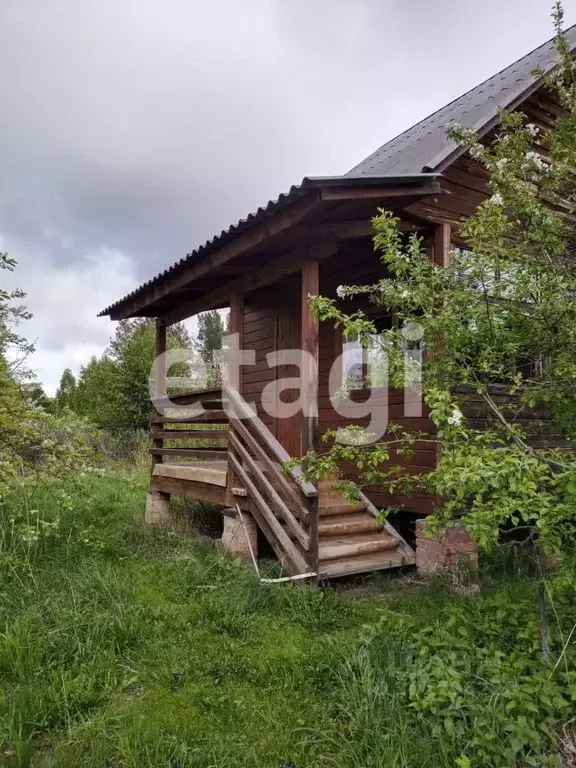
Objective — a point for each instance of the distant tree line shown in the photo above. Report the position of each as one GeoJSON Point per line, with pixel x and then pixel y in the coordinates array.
{"type": "Point", "coordinates": [112, 391]}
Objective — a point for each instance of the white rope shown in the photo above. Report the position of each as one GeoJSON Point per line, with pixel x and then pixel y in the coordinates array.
{"type": "Point", "coordinates": [284, 579]}
{"type": "Point", "coordinates": [248, 540]}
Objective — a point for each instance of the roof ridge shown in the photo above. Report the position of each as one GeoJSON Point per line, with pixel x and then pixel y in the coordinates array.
{"type": "Point", "coordinates": [446, 107]}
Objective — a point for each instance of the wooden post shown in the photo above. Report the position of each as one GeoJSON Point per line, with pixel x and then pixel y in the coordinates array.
{"type": "Point", "coordinates": [236, 327]}
{"type": "Point", "coordinates": [442, 244]}
{"type": "Point", "coordinates": [309, 387]}
{"type": "Point", "coordinates": [159, 379]}
{"type": "Point", "coordinates": [441, 255]}
{"type": "Point", "coordinates": [309, 367]}
{"type": "Point", "coordinates": [158, 502]}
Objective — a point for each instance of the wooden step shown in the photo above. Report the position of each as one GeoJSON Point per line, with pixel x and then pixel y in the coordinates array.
{"type": "Point", "coordinates": [339, 507]}
{"type": "Point", "coordinates": [378, 561]}
{"type": "Point", "coordinates": [345, 525]}
{"type": "Point", "coordinates": [353, 546]}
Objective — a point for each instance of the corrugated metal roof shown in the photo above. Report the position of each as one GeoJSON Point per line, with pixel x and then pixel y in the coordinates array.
{"type": "Point", "coordinates": [273, 206]}
{"type": "Point", "coordinates": [425, 146]}
{"type": "Point", "coordinates": [419, 150]}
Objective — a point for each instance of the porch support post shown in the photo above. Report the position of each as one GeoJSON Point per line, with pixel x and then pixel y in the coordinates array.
{"type": "Point", "coordinates": [236, 327]}
{"type": "Point", "coordinates": [442, 244]}
{"type": "Point", "coordinates": [309, 390]}
{"type": "Point", "coordinates": [159, 378]}
{"type": "Point", "coordinates": [158, 502]}
{"type": "Point", "coordinates": [309, 367]}
{"type": "Point", "coordinates": [441, 248]}
{"type": "Point", "coordinates": [235, 345]}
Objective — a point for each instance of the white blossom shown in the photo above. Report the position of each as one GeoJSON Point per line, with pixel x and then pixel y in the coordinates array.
{"type": "Point", "coordinates": [501, 164]}
{"type": "Point", "coordinates": [477, 151]}
{"type": "Point", "coordinates": [497, 199]}
{"type": "Point", "coordinates": [341, 292]}
{"type": "Point", "coordinates": [535, 159]}
{"type": "Point", "coordinates": [455, 417]}
{"type": "Point", "coordinates": [532, 129]}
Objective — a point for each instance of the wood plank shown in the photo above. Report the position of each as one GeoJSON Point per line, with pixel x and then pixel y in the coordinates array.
{"type": "Point", "coordinates": [206, 454]}
{"type": "Point", "coordinates": [192, 490]}
{"type": "Point", "coordinates": [309, 367]}
{"type": "Point", "coordinates": [264, 434]}
{"type": "Point", "coordinates": [262, 512]}
{"type": "Point", "coordinates": [179, 434]}
{"type": "Point", "coordinates": [355, 546]}
{"type": "Point", "coordinates": [380, 192]}
{"type": "Point", "coordinates": [211, 417]}
{"type": "Point", "coordinates": [292, 491]}
{"type": "Point", "coordinates": [267, 488]}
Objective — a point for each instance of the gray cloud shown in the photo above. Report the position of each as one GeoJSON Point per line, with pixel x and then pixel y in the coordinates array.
{"type": "Point", "coordinates": [141, 128]}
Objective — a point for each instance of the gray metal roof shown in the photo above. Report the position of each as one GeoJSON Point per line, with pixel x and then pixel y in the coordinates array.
{"type": "Point", "coordinates": [425, 146]}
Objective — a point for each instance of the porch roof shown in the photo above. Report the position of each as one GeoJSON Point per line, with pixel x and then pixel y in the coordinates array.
{"type": "Point", "coordinates": [316, 201]}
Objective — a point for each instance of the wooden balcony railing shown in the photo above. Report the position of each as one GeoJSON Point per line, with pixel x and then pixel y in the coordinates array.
{"type": "Point", "coordinates": [198, 434]}
{"type": "Point", "coordinates": [226, 428]}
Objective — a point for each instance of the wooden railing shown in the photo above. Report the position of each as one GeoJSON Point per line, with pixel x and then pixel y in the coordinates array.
{"type": "Point", "coordinates": [193, 434]}
{"type": "Point", "coordinates": [284, 503]}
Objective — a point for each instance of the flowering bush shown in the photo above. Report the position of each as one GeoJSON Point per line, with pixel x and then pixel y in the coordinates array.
{"type": "Point", "coordinates": [501, 317]}
{"type": "Point", "coordinates": [37, 449]}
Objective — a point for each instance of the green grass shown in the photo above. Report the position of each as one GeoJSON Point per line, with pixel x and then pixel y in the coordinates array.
{"type": "Point", "coordinates": [142, 648]}
{"type": "Point", "coordinates": [127, 646]}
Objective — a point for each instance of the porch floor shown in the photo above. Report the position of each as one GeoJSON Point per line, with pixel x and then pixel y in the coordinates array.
{"type": "Point", "coordinates": [212, 473]}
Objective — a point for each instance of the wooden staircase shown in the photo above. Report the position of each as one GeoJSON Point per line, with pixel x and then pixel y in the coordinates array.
{"type": "Point", "coordinates": [350, 537]}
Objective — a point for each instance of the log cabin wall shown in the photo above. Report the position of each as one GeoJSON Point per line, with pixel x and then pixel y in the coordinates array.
{"type": "Point", "coordinates": [358, 263]}
{"type": "Point", "coordinates": [465, 182]}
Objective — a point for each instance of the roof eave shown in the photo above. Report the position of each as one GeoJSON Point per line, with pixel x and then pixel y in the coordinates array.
{"type": "Point", "coordinates": [318, 188]}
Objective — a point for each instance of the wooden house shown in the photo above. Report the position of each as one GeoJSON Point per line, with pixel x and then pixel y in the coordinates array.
{"type": "Point", "coordinates": [307, 242]}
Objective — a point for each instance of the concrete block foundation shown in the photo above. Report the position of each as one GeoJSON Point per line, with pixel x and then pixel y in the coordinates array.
{"type": "Point", "coordinates": [452, 546]}
{"type": "Point", "coordinates": [240, 534]}
{"type": "Point", "coordinates": [157, 508]}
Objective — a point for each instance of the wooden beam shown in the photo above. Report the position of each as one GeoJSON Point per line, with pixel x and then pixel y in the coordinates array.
{"type": "Point", "coordinates": [309, 345]}
{"type": "Point", "coordinates": [236, 327]}
{"type": "Point", "coordinates": [442, 244]}
{"type": "Point", "coordinates": [193, 490]}
{"type": "Point", "coordinates": [346, 229]}
{"type": "Point", "coordinates": [159, 384]}
{"type": "Point", "coordinates": [379, 192]}
{"type": "Point", "coordinates": [269, 273]}
{"type": "Point", "coordinates": [309, 388]}
{"type": "Point", "coordinates": [249, 240]}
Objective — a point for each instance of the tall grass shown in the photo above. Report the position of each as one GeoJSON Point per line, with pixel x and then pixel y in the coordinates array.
{"type": "Point", "coordinates": [127, 646]}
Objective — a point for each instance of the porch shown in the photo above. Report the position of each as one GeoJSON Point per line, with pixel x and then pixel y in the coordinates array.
{"type": "Point", "coordinates": [226, 455]}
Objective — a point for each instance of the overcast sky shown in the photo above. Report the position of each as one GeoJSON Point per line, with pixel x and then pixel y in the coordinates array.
{"type": "Point", "coordinates": [133, 130]}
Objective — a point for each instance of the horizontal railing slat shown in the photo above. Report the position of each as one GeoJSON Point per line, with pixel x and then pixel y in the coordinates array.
{"type": "Point", "coordinates": [210, 452]}
{"type": "Point", "coordinates": [204, 434]}
{"type": "Point", "coordinates": [210, 417]}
